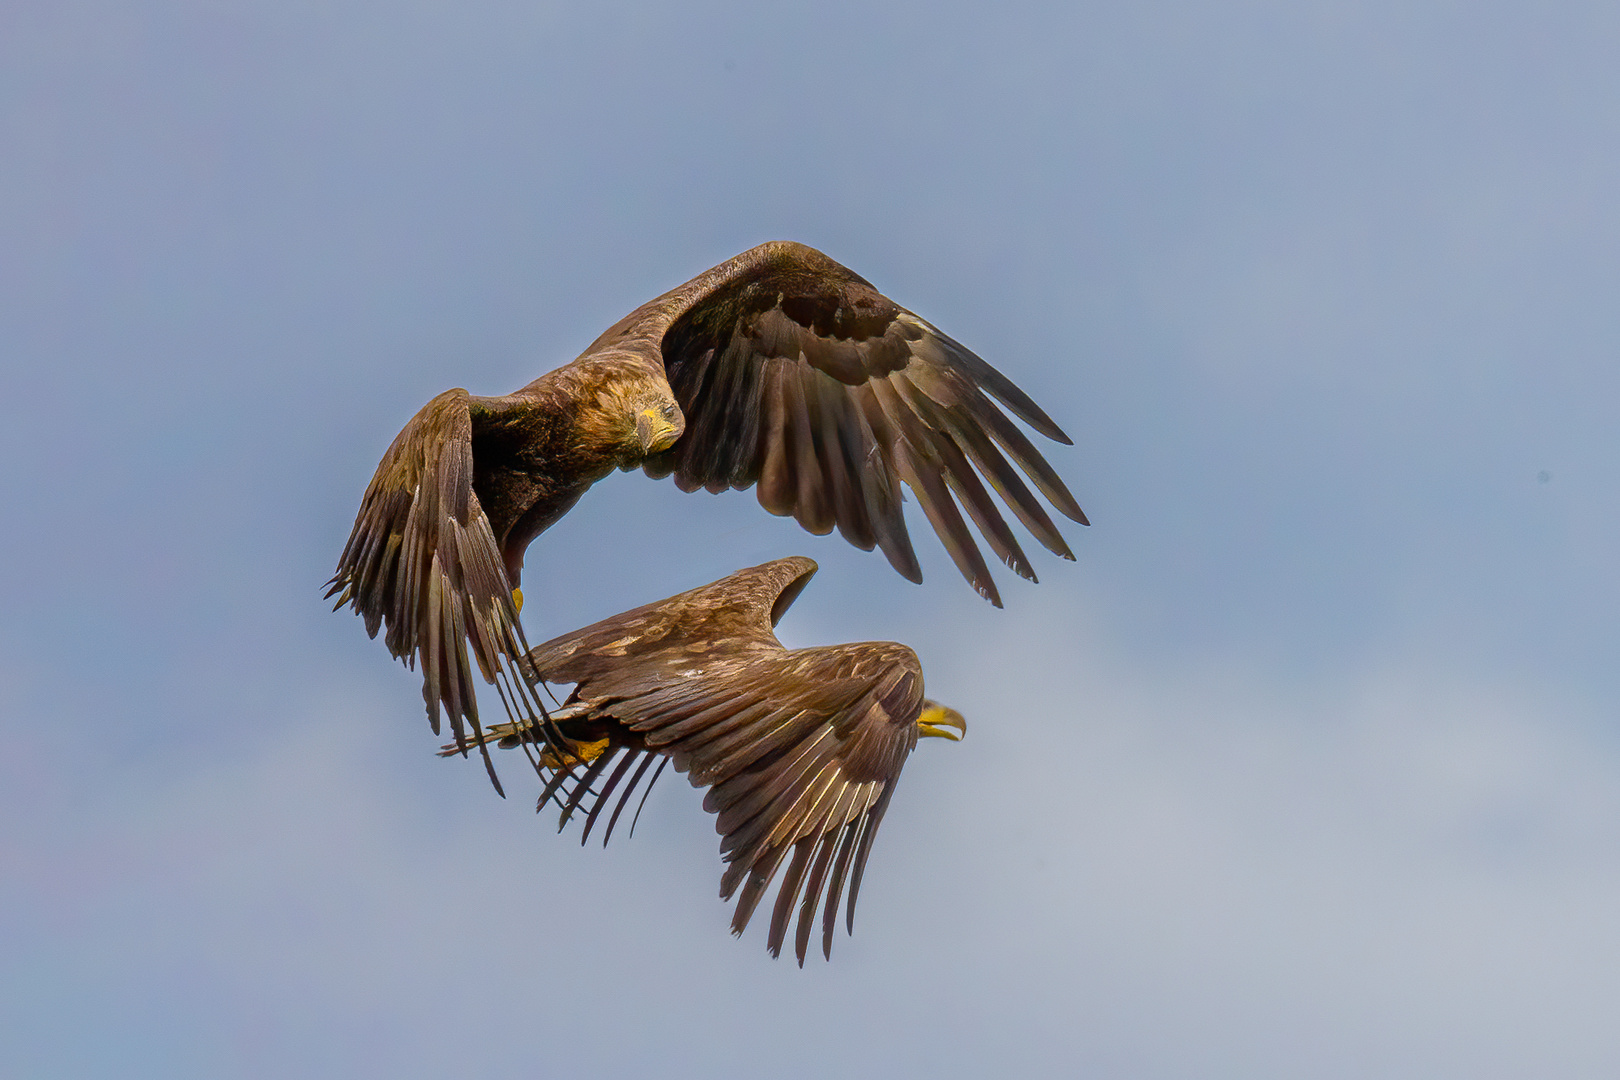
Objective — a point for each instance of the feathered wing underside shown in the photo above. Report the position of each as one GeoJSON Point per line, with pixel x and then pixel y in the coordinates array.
{"type": "Point", "coordinates": [422, 562]}
{"type": "Point", "coordinates": [800, 750]}
{"type": "Point", "coordinates": [797, 376]}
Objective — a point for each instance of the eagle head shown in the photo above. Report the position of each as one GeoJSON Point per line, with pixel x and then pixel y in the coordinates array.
{"type": "Point", "coordinates": [625, 410]}
{"type": "Point", "coordinates": [658, 423]}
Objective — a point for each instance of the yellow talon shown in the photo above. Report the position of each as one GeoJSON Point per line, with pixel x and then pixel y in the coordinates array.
{"type": "Point", "coordinates": [581, 753]}
{"type": "Point", "coordinates": [517, 599]}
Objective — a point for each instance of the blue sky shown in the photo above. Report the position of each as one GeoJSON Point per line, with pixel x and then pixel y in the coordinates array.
{"type": "Point", "coordinates": [1308, 766]}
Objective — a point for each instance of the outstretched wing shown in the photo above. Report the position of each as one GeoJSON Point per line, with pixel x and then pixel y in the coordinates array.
{"type": "Point", "coordinates": [797, 375]}
{"type": "Point", "coordinates": [423, 562]}
{"type": "Point", "coordinates": [800, 750]}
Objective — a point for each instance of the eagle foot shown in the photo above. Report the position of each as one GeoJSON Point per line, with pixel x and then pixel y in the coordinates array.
{"type": "Point", "coordinates": [577, 752]}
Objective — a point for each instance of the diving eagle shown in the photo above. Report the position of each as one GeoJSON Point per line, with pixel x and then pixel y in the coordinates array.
{"type": "Point", "coordinates": [800, 749]}
{"type": "Point", "coordinates": [778, 368]}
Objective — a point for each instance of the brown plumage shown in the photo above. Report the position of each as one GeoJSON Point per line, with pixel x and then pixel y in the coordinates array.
{"type": "Point", "coordinates": [783, 369]}
{"type": "Point", "coordinates": [800, 749]}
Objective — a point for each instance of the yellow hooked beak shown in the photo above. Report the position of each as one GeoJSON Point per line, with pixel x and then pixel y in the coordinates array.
{"type": "Point", "coordinates": [939, 722]}
{"type": "Point", "coordinates": [656, 432]}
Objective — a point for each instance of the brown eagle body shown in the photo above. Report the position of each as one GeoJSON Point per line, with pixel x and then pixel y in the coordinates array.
{"type": "Point", "coordinates": [779, 369]}
{"type": "Point", "coordinates": [800, 749]}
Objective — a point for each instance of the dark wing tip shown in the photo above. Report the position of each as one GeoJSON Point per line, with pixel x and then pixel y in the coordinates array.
{"type": "Point", "coordinates": [1053, 432]}
{"type": "Point", "coordinates": [987, 589]}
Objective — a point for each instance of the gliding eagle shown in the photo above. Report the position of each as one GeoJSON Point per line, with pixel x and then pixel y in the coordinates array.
{"type": "Point", "coordinates": [800, 749]}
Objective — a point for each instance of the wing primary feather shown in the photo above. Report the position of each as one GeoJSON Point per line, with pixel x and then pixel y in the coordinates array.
{"type": "Point", "coordinates": [940, 429]}
{"type": "Point", "coordinates": [489, 762]}
{"type": "Point", "coordinates": [812, 892]}
{"type": "Point", "coordinates": [735, 405]}
{"type": "Point", "coordinates": [802, 814]}
{"type": "Point", "coordinates": [627, 759]}
{"type": "Point", "coordinates": [869, 827]}
{"type": "Point", "coordinates": [532, 716]}
{"type": "Point", "coordinates": [835, 888]}
{"type": "Point", "coordinates": [965, 482]}
{"type": "Point", "coordinates": [811, 507]}
{"type": "Point", "coordinates": [560, 775]}
{"type": "Point", "coordinates": [689, 381]}
{"type": "Point", "coordinates": [1018, 402]}
{"type": "Point", "coordinates": [821, 822]}
{"type": "Point", "coordinates": [1018, 447]}
{"type": "Point", "coordinates": [689, 377]}
{"type": "Point", "coordinates": [940, 508]}
{"type": "Point", "coordinates": [776, 488]}
{"type": "Point", "coordinates": [735, 871]}
{"type": "Point", "coordinates": [705, 432]}
{"type": "Point", "coordinates": [582, 787]}
{"type": "Point", "coordinates": [744, 404]}
{"type": "Point", "coordinates": [430, 665]}
{"type": "Point", "coordinates": [760, 873]}
{"type": "Point", "coordinates": [646, 763]}
{"type": "Point", "coordinates": [842, 450]}
{"type": "Point", "coordinates": [1008, 484]}
{"type": "Point", "coordinates": [882, 488]}
{"type": "Point", "coordinates": [776, 750]}
{"type": "Point", "coordinates": [741, 791]}
{"type": "Point", "coordinates": [528, 728]}
{"type": "Point", "coordinates": [761, 823]}
{"type": "Point", "coordinates": [748, 899]}
{"type": "Point", "coordinates": [541, 726]}
{"type": "Point", "coordinates": [662, 761]}
{"type": "Point", "coordinates": [558, 778]}
{"type": "Point", "coordinates": [455, 656]}
{"type": "Point", "coordinates": [705, 438]}
{"type": "Point", "coordinates": [788, 891]}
